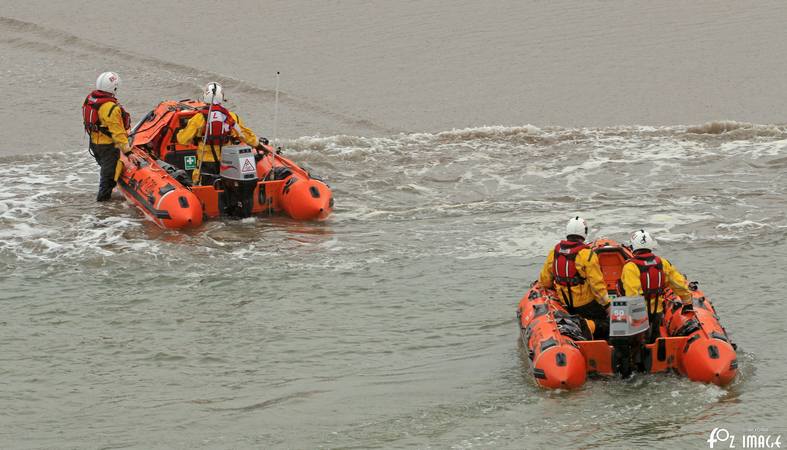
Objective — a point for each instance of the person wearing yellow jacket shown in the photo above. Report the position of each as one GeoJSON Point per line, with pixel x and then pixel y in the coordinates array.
{"type": "Point", "coordinates": [107, 124]}
{"type": "Point", "coordinates": [649, 275]}
{"type": "Point", "coordinates": [573, 269]}
{"type": "Point", "coordinates": [222, 127]}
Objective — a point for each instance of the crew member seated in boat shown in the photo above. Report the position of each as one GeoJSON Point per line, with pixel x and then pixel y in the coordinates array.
{"type": "Point", "coordinates": [107, 123]}
{"type": "Point", "coordinates": [223, 127]}
{"type": "Point", "coordinates": [573, 269]}
{"type": "Point", "coordinates": [648, 275]}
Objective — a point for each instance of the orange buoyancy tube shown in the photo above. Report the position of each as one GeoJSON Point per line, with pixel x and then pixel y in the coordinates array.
{"type": "Point", "coordinates": [708, 355]}
{"type": "Point", "coordinates": [300, 195]}
{"type": "Point", "coordinates": [556, 360]}
{"type": "Point", "coordinates": [306, 199]}
{"type": "Point", "coordinates": [154, 191]}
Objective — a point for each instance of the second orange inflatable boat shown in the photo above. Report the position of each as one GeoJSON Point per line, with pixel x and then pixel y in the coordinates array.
{"type": "Point", "coordinates": [692, 342]}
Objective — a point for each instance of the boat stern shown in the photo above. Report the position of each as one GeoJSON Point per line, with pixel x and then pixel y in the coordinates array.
{"type": "Point", "coordinates": [306, 199]}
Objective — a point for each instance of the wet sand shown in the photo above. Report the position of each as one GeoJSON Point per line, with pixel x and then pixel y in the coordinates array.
{"type": "Point", "coordinates": [369, 69]}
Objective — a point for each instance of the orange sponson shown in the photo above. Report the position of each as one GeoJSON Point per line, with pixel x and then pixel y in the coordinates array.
{"type": "Point", "coordinates": [556, 360]}
{"type": "Point", "coordinates": [163, 199]}
{"type": "Point", "coordinates": [293, 190]}
{"type": "Point", "coordinates": [707, 355]}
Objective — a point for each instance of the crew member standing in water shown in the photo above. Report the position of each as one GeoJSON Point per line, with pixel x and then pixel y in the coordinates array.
{"type": "Point", "coordinates": [575, 272]}
{"type": "Point", "coordinates": [107, 124]}
{"type": "Point", "coordinates": [648, 275]}
{"type": "Point", "coordinates": [222, 127]}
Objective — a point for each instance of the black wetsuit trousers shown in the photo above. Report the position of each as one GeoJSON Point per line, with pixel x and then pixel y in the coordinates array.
{"type": "Point", "coordinates": [107, 156]}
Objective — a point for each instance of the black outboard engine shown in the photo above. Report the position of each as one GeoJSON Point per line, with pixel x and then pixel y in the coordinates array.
{"type": "Point", "coordinates": [628, 327]}
{"type": "Point", "coordinates": [239, 178]}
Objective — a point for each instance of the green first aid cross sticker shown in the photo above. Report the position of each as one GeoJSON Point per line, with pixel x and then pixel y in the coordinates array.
{"type": "Point", "coordinates": [190, 162]}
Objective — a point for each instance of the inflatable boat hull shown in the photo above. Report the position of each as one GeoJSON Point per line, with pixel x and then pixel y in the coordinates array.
{"type": "Point", "coordinates": [161, 185]}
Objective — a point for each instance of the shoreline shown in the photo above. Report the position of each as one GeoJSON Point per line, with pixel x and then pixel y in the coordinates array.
{"type": "Point", "coordinates": [354, 68]}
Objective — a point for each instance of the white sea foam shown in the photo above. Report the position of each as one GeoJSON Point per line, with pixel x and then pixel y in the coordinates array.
{"type": "Point", "coordinates": [622, 177]}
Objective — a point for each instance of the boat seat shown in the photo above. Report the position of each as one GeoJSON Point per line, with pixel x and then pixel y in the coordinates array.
{"type": "Point", "coordinates": [177, 153]}
{"type": "Point", "coordinates": [181, 125]}
{"type": "Point", "coordinates": [612, 267]}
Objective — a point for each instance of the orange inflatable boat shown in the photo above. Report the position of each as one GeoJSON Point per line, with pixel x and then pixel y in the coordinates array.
{"type": "Point", "coordinates": [159, 183]}
{"type": "Point", "coordinates": [690, 341]}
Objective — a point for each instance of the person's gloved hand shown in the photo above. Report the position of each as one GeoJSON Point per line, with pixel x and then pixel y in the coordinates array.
{"type": "Point", "coordinates": [134, 159]}
{"type": "Point", "coordinates": [264, 140]}
{"type": "Point", "coordinates": [262, 148]}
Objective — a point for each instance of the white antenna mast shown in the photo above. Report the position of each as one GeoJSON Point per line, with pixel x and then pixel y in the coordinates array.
{"type": "Point", "coordinates": [276, 114]}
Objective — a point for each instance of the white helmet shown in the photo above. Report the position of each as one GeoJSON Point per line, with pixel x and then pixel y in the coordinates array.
{"type": "Point", "coordinates": [213, 93]}
{"type": "Point", "coordinates": [108, 82]}
{"type": "Point", "coordinates": [577, 226]}
{"type": "Point", "coordinates": [642, 240]}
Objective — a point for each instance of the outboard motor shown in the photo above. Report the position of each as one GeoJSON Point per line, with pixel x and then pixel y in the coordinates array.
{"type": "Point", "coordinates": [239, 177]}
{"type": "Point", "coordinates": [628, 327]}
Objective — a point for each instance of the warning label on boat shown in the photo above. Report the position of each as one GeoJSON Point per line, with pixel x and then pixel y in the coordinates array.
{"type": "Point", "coordinates": [248, 166]}
{"type": "Point", "coordinates": [190, 162]}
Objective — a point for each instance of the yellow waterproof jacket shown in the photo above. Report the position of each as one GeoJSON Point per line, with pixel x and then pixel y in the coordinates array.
{"type": "Point", "coordinates": [588, 267]}
{"type": "Point", "coordinates": [630, 277]}
{"type": "Point", "coordinates": [113, 122]}
{"type": "Point", "coordinates": [195, 129]}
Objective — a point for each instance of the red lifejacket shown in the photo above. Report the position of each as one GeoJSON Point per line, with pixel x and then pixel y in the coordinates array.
{"type": "Point", "coordinates": [651, 274]}
{"type": "Point", "coordinates": [564, 266]}
{"type": "Point", "coordinates": [90, 112]}
{"type": "Point", "coordinates": [218, 126]}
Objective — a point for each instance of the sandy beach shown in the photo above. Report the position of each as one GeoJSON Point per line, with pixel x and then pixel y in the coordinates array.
{"type": "Point", "coordinates": [369, 69]}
